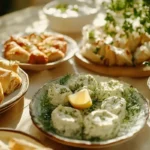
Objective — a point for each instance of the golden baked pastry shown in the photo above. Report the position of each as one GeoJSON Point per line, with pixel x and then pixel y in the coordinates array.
{"type": "Point", "coordinates": [19, 144]}
{"type": "Point", "coordinates": [35, 49]}
{"type": "Point", "coordinates": [10, 65]}
{"type": "Point", "coordinates": [9, 78]}
{"type": "Point", "coordinates": [1, 93]}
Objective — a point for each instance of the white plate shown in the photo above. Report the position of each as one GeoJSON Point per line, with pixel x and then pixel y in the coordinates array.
{"type": "Point", "coordinates": [39, 107]}
{"type": "Point", "coordinates": [72, 48]}
{"type": "Point", "coordinates": [15, 96]}
{"type": "Point", "coordinates": [7, 134]}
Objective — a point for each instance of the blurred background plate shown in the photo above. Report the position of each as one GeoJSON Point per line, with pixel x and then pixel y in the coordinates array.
{"type": "Point", "coordinates": [11, 99]}
{"type": "Point", "coordinates": [72, 48]}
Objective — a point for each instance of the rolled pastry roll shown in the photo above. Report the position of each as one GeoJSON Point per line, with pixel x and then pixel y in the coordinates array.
{"type": "Point", "coordinates": [9, 80]}
{"type": "Point", "coordinates": [15, 52]}
{"type": "Point", "coordinates": [10, 65]}
{"type": "Point", "coordinates": [67, 121]}
{"type": "Point", "coordinates": [1, 93]}
{"type": "Point", "coordinates": [20, 144]}
{"type": "Point", "coordinates": [107, 88]}
{"type": "Point", "coordinates": [116, 105]}
{"type": "Point", "coordinates": [101, 124]}
{"type": "Point", "coordinates": [58, 94]}
{"type": "Point", "coordinates": [123, 56]}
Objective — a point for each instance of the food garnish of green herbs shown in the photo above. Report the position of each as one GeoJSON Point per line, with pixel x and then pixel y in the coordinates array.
{"type": "Point", "coordinates": [87, 107]}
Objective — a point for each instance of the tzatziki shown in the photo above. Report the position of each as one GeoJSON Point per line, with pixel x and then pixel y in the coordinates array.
{"type": "Point", "coordinates": [66, 10]}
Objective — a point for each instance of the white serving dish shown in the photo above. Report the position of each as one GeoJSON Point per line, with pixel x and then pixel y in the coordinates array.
{"type": "Point", "coordinates": [70, 24]}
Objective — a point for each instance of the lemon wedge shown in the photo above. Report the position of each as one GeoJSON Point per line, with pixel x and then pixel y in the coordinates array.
{"type": "Point", "coordinates": [81, 99]}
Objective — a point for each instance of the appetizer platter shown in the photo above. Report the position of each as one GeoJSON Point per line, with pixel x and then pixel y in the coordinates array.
{"type": "Point", "coordinates": [89, 111]}
{"type": "Point", "coordinates": [17, 140]}
{"type": "Point", "coordinates": [121, 46]}
{"type": "Point", "coordinates": [13, 84]}
{"type": "Point", "coordinates": [39, 51]}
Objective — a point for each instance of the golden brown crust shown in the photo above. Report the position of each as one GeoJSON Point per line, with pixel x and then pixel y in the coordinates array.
{"type": "Point", "coordinates": [9, 80]}
{"type": "Point", "coordinates": [33, 48]}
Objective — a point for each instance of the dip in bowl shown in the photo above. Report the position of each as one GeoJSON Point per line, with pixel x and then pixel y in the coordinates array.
{"type": "Point", "coordinates": [69, 16]}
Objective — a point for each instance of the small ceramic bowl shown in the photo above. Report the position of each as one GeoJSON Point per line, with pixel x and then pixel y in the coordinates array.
{"type": "Point", "coordinates": [70, 16]}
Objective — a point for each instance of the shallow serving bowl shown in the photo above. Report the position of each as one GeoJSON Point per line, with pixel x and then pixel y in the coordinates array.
{"type": "Point", "coordinates": [39, 108]}
{"type": "Point", "coordinates": [69, 24]}
{"type": "Point", "coordinates": [10, 100]}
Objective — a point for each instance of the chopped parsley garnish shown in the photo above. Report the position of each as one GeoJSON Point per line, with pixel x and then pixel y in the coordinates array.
{"type": "Point", "coordinates": [127, 26]}
{"type": "Point", "coordinates": [128, 10]}
{"type": "Point", "coordinates": [62, 7]}
{"type": "Point", "coordinates": [75, 8]}
{"type": "Point", "coordinates": [117, 5]}
{"type": "Point", "coordinates": [91, 35]}
{"type": "Point", "coordinates": [110, 18]}
{"type": "Point", "coordinates": [132, 97]}
{"type": "Point", "coordinates": [64, 80]}
{"type": "Point", "coordinates": [137, 13]}
{"type": "Point", "coordinates": [96, 50]}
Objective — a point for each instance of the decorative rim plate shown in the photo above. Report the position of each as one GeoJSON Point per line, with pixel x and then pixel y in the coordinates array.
{"type": "Point", "coordinates": [6, 134]}
{"type": "Point", "coordinates": [15, 96]}
{"type": "Point", "coordinates": [71, 50]}
{"type": "Point", "coordinates": [148, 82]}
{"type": "Point", "coordinates": [35, 111]}
{"type": "Point", "coordinates": [140, 71]}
